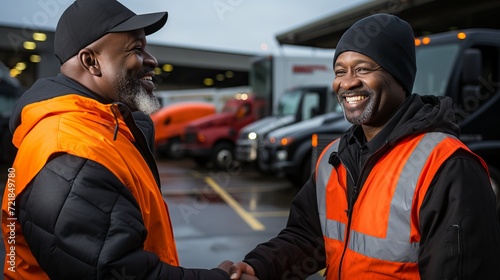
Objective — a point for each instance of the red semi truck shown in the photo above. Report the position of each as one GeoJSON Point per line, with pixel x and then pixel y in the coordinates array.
{"type": "Point", "coordinates": [211, 139]}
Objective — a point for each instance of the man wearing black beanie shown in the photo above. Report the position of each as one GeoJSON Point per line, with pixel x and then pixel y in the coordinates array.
{"type": "Point", "coordinates": [397, 196]}
{"type": "Point", "coordinates": [386, 39]}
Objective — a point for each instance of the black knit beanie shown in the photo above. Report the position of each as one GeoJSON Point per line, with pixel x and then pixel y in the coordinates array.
{"type": "Point", "coordinates": [386, 39]}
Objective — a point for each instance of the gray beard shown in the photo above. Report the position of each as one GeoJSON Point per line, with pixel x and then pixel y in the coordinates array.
{"type": "Point", "coordinates": [145, 102]}
{"type": "Point", "coordinates": [361, 119]}
{"type": "Point", "coordinates": [135, 96]}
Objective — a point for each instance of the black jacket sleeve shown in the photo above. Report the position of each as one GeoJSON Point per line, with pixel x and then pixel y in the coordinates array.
{"type": "Point", "coordinates": [459, 224]}
{"type": "Point", "coordinates": [81, 222]}
{"type": "Point", "coordinates": [297, 251]}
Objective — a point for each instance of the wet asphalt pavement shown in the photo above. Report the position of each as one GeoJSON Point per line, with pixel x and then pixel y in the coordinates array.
{"type": "Point", "coordinates": [218, 215]}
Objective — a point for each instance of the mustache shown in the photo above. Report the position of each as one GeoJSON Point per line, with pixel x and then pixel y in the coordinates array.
{"type": "Point", "coordinates": [145, 71]}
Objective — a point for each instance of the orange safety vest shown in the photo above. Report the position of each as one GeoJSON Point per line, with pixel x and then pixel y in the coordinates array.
{"type": "Point", "coordinates": [85, 128]}
{"type": "Point", "coordinates": [383, 239]}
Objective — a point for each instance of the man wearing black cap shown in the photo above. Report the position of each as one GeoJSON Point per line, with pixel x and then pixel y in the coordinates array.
{"type": "Point", "coordinates": [398, 196]}
{"type": "Point", "coordinates": [85, 200]}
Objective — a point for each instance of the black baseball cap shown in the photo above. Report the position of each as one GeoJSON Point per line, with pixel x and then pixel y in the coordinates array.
{"type": "Point", "coordinates": [85, 21]}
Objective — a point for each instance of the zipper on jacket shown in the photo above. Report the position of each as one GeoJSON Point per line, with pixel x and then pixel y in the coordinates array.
{"type": "Point", "coordinates": [348, 229]}
{"type": "Point", "coordinates": [350, 206]}
{"type": "Point", "coordinates": [354, 197]}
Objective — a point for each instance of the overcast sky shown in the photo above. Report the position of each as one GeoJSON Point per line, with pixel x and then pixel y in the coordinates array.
{"type": "Point", "coordinates": [243, 26]}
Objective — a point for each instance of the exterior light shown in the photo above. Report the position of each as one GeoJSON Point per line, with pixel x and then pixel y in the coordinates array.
{"type": "Point", "coordinates": [29, 45]}
{"type": "Point", "coordinates": [38, 36]}
{"type": "Point", "coordinates": [168, 68]}
{"type": "Point", "coordinates": [20, 66]}
{"type": "Point", "coordinates": [219, 77]}
{"type": "Point", "coordinates": [208, 81]}
{"type": "Point", "coordinates": [35, 58]}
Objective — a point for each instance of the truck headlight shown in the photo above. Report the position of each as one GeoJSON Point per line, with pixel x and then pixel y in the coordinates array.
{"type": "Point", "coordinates": [252, 135]}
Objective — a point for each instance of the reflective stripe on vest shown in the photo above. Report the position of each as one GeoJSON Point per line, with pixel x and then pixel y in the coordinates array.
{"type": "Point", "coordinates": [395, 247]}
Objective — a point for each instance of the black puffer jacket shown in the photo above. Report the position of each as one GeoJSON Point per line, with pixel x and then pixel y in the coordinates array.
{"type": "Point", "coordinates": [457, 196]}
{"type": "Point", "coordinates": [80, 221]}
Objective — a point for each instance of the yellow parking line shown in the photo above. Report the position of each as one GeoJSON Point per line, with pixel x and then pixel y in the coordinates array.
{"type": "Point", "coordinates": [247, 217]}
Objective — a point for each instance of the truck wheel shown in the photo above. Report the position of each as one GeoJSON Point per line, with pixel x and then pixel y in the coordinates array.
{"type": "Point", "coordinates": [306, 171]}
{"type": "Point", "coordinates": [298, 179]}
{"type": "Point", "coordinates": [174, 149]}
{"type": "Point", "coordinates": [495, 183]}
{"type": "Point", "coordinates": [292, 178]}
{"type": "Point", "coordinates": [223, 156]}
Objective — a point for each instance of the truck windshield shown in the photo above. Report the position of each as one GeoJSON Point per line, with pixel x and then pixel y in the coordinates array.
{"type": "Point", "coordinates": [261, 79]}
{"type": "Point", "coordinates": [434, 67]}
{"type": "Point", "coordinates": [230, 107]}
{"type": "Point", "coordinates": [288, 103]}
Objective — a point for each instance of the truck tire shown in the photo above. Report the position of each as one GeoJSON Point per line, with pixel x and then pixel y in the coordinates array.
{"type": "Point", "coordinates": [306, 167]}
{"type": "Point", "coordinates": [298, 179]}
{"type": "Point", "coordinates": [223, 156]}
{"type": "Point", "coordinates": [174, 149]}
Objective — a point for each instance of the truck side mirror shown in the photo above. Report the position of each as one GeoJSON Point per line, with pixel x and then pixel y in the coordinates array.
{"type": "Point", "coordinates": [472, 66]}
{"type": "Point", "coordinates": [471, 88]}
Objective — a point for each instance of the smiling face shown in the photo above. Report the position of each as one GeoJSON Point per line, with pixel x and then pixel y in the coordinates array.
{"type": "Point", "coordinates": [368, 94]}
{"type": "Point", "coordinates": [126, 70]}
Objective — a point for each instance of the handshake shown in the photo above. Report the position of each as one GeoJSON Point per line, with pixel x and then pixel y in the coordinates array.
{"type": "Point", "coordinates": [238, 270]}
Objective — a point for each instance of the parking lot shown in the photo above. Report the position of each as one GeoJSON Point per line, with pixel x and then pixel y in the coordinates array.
{"type": "Point", "coordinates": [219, 215]}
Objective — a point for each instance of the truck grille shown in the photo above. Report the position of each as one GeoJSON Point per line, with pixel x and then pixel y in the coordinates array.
{"type": "Point", "coordinates": [190, 137]}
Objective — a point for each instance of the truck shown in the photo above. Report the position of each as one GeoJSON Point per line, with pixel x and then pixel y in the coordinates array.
{"type": "Point", "coordinates": [294, 88]}
{"type": "Point", "coordinates": [170, 122]}
{"type": "Point", "coordinates": [465, 65]}
{"type": "Point", "coordinates": [211, 139]}
{"type": "Point", "coordinates": [287, 150]}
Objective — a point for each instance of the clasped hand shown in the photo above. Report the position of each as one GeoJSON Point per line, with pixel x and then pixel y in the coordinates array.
{"type": "Point", "coordinates": [238, 270]}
